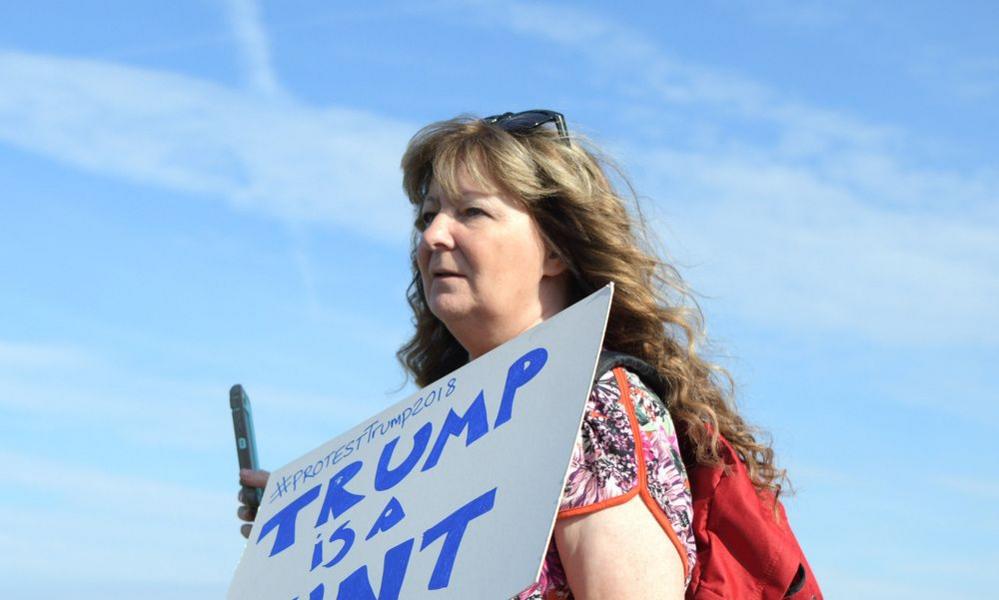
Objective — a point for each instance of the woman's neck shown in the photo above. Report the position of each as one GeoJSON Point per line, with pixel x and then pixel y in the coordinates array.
{"type": "Point", "coordinates": [486, 333]}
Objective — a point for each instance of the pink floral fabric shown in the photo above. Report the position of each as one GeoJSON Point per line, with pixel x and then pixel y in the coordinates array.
{"type": "Point", "coordinates": [603, 467]}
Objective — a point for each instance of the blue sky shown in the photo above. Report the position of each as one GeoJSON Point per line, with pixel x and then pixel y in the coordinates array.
{"type": "Point", "coordinates": [200, 193]}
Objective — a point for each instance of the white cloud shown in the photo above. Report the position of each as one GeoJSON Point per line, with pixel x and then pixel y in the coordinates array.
{"type": "Point", "coordinates": [647, 76]}
{"type": "Point", "coordinates": [244, 18]}
{"type": "Point", "coordinates": [275, 157]}
{"type": "Point", "coordinates": [975, 487]}
{"type": "Point", "coordinates": [822, 220]}
{"type": "Point", "coordinates": [816, 220]}
{"type": "Point", "coordinates": [787, 246]}
{"type": "Point", "coordinates": [970, 78]}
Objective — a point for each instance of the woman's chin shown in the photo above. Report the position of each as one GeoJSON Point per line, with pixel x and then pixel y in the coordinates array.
{"type": "Point", "coordinates": [448, 309]}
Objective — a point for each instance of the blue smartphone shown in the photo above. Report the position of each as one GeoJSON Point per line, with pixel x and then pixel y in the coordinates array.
{"type": "Point", "coordinates": [246, 445]}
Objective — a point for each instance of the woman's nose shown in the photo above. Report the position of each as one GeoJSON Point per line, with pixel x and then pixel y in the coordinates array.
{"type": "Point", "coordinates": [437, 233]}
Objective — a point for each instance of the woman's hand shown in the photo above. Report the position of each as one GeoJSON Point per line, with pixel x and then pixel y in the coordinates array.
{"type": "Point", "coordinates": [248, 509]}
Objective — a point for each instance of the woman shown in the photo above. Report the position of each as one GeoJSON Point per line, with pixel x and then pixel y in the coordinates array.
{"type": "Point", "coordinates": [515, 221]}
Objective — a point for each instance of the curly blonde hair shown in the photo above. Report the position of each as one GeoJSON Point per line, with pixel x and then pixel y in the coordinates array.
{"type": "Point", "coordinates": [564, 186]}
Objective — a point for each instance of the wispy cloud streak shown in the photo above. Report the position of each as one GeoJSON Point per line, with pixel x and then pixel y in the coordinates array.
{"type": "Point", "coordinates": [247, 26]}
{"type": "Point", "coordinates": [816, 220]}
{"type": "Point", "coordinates": [790, 246]}
{"type": "Point", "coordinates": [898, 242]}
{"type": "Point", "coordinates": [275, 157]}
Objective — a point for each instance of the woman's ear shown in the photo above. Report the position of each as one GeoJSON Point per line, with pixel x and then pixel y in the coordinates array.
{"type": "Point", "coordinates": [554, 264]}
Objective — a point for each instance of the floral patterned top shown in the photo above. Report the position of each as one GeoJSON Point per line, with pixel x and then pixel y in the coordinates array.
{"type": "Point", "coordinates": [604, 471]}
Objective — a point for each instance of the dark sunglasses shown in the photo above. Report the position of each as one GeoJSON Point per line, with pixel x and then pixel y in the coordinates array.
{"type": "Point", "coordinates": [523, 122]}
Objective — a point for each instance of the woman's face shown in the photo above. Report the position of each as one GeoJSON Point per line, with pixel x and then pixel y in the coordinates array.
{"type": "Point", "coordinates": [486, 272]}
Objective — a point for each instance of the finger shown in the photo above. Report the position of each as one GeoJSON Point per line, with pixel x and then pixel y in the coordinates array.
{"type": "Point", "coordinates": [244, 530]}
{"type": "Point", "coordinates": [253, 478]}
{"type": "Point", "coordinates": [249, 497]}
{"type": "Point", "coordinates": [246, 513]}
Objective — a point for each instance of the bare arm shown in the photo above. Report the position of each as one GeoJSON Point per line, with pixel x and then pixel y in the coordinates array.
{"type": "Point", "coordinates": [619, 552]}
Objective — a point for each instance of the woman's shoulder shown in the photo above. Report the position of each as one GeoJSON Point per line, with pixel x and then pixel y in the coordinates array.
{"type": "Point", "coordinates": [605, 462]}
{"type": "Point", "coordinates": [648, 407]}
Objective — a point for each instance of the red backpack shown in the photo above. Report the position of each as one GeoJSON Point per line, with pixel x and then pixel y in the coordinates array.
{"type": "Point", "coordinates": [744, 549]}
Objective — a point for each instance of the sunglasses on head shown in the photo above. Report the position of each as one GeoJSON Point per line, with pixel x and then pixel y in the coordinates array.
{"type": "Point", "coordinates": [527, 120]}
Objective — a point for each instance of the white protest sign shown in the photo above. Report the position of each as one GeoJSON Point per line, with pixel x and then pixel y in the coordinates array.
{"type": "Point", "coordinates": [451, 493]}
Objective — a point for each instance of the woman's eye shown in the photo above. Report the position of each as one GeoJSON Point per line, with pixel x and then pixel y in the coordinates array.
{"type": "Point", "coordinates": [425, 219]}
{"type": "Point", "coordinates": [473, 211]}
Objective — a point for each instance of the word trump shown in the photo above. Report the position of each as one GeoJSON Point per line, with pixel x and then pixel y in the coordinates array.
{"type": "Point", "coordinates": [343, 492]}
